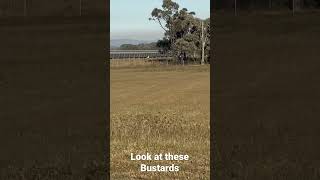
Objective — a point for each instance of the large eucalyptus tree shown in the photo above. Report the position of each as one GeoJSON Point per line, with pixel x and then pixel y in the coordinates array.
{"type": "Point", "coordinates": [184, 33]}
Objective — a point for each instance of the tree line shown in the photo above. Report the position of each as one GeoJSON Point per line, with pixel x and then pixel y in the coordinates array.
{"type": "Point", "coordinates": [142, 46]}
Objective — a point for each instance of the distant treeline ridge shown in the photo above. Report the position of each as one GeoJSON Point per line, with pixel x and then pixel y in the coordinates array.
{"type": "Point", "coordinates": [142, 46]}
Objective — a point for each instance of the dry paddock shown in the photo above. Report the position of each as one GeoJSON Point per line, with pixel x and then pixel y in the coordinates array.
{"type": "Point", "coordinates": [136, 62]}
{"type": "Point", "coordinates": [160, 109]}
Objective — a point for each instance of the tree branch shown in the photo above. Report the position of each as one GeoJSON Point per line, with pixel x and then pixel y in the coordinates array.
{"type": "Point", "coordinates": [161, 25]}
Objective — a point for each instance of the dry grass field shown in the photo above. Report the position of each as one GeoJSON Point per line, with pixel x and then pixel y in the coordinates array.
{"type": "Point", "coordinates": [116, 63]}
{"type": "Point", "coordinates": [160, 109]}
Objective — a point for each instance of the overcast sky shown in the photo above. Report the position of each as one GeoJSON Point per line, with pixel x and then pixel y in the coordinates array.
{"type": "Point", "coordinates": [129, 18]}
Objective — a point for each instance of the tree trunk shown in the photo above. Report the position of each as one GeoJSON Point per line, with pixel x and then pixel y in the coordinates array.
{"type": "Point", "coordinates": [202, 43]}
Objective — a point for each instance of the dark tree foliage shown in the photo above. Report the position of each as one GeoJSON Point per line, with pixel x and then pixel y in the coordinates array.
{"type": "Point", "coordinates": [164, 45]}
{"type": "Point", "coordinates": [146, 46]}
{"type": "Point", "coordinates": [182, 32]}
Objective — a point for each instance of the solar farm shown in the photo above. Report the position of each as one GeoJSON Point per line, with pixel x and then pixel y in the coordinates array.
{"type": "Point", "coordinates": [137, 54]}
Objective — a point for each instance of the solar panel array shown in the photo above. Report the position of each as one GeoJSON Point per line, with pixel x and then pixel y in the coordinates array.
{"type": "Point", "coordinates": [137, 54]}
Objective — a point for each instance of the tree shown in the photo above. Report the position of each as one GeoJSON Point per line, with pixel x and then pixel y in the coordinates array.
{"type": "Point", "coordinates": [182, 30]}
{"type": "Point", "coordinates": [185, 33]}
{"type": "Point", "coordinates": [168, 17]}
{"type": "Point", "coordinates": [164, 45]}
{"type": "Point", "coordinates": [165, 17]}
{"type": "Point", "coordinates": [205, 38]}
{"type": "Point", "coordinates": [208, 38]}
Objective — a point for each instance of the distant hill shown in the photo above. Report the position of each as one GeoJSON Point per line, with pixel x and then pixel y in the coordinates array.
{"type": "Point", "coordinates": [118, 42]}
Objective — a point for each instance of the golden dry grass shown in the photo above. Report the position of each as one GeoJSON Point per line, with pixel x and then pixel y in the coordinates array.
{"type": "Point", "coordinates": [159, 110]}
{"type": "Point", "coordinates": [127, 62]}
{"type": "Point", "coordinates": [132, 62]}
